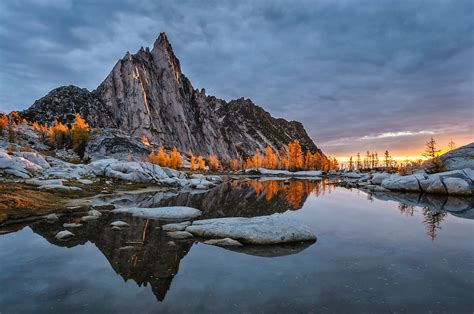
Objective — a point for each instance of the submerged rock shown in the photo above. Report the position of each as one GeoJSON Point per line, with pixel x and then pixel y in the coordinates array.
{"type": "Point", "coordinates": [223, 242]}
{"type": "Point", "coordinates": [171, 212]}
{"type": "Point", "coordinates": [257, 230]}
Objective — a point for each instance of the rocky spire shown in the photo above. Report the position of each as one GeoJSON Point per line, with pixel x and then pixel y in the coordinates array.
{"type": "Point", "coordinates": [164, 56]}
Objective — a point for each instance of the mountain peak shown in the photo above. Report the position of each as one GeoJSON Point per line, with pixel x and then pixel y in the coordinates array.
{"type": "Point", "coordinates": [162, 48]}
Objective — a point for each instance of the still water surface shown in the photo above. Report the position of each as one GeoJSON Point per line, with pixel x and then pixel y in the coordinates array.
{"type": "Point", "coordinates": [373, 255]}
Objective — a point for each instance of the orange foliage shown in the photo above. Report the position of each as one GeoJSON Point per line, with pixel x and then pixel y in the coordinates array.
{"type": "Point", "coordinates": [234, 165]}
{"type": "Point", "coordinates": [3, 122]}
{"type": "Point", "coordinates": [192, 161]}
{"type": "Point", "coordinates": [175, 159]}
{"type": "Point", "coordinates": [271, 159]}
{"type": "Point", "coordinates": [162, 158]}
{"type": "Point", "coordinates": [201, 163]}
{"type": "Point", "coordinates": [213, 162]}
{"type": "Point", "coordinates": [79, 134]}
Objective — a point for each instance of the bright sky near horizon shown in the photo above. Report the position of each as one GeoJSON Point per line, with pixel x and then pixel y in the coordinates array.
{"type": "Point", "coordinates": [360, 75]}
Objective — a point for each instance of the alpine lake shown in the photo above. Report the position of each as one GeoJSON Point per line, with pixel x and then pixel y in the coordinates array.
{"type": "Point", "coordinates": [375, 253]}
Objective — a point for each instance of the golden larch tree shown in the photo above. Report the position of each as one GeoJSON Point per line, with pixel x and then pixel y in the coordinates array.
{"type": "Point", "coordinates": [80, 134]}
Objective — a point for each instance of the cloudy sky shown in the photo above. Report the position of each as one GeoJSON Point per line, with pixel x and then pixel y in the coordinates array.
{"type": "Point", "coordinates": [360, 75]}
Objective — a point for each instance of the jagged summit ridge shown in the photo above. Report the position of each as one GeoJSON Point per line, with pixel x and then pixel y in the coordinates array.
{"type": "Point", "coordinates": [146, 94]}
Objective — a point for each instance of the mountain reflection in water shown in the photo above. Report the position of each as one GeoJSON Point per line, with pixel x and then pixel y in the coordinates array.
{"type": "Point", "coordinates": [144, 253]}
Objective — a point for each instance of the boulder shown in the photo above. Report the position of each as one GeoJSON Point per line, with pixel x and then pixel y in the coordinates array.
{"type": "Point", "coordinates": [257, 230]}
{"type": "Point", "coordinates": [176, 227]}
{"type": "Point", "coordinates": [171, 212]}
{"type": "Point", "coordinates": [94, 212]}
{"type": "Point", "coordinates": [352, 175]}
{"type": "Point", "coordinates": [172, 173]}
{"type": "Point", "coordinates": [119, 224]}
{"type": "Point", "coordinates": [179, 235]}
{"type": "Point", "coordinates": [71, 225]}
{"type": "Point", "coordinates": [457, 186]}
{"type": "Point", "coordinates": [17, 166]}
{"type": "Point", "coordinates": [64, 235]}
{"type": "Point", "coordinates": [89, 218]}
{"type": "Point", "coordinates": [459, 158]}
{"type": "Point", "coordinates": [312, 173]}
{"type": "Point", "coordinates": [378, 177]}
{"type": "Point", "coordinates": [35, 158]}
{"type": "Point", "coordinates": [408, 183]}
{"type": "Point", "coordinates": [52, 217]}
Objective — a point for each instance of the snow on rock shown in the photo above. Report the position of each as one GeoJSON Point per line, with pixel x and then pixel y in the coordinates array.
{"type": "Point", "coordinates": [272, 229]}
{"type": "Point", "coordinates": [64, 235]}
{"type": "Point", "coordinates": [171, 212]}
{"type": "Point", "coordinates": [223, 242]}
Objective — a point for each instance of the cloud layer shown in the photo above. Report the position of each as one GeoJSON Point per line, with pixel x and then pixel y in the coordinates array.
{"type": "Point", "coordinates": [346, 69]}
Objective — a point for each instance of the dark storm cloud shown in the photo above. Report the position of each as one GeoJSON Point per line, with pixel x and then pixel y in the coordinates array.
{"type": "Point", "coordinates": [349, 70]}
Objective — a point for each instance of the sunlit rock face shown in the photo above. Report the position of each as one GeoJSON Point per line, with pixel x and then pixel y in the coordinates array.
{"type": "Point", "coordinates": [146, 94]}
{"type": "Point", "coordinates": [460, 158]}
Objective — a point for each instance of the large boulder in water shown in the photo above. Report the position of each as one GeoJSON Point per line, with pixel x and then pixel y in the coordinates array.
{"type": "Point", "coordinates": [273, 229]}
{"type": "Point", "coordinates": [403, 183]}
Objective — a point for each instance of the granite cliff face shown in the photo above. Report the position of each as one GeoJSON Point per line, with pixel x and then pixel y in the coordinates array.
{"type": "Point", "coordinates": [147, 94]}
